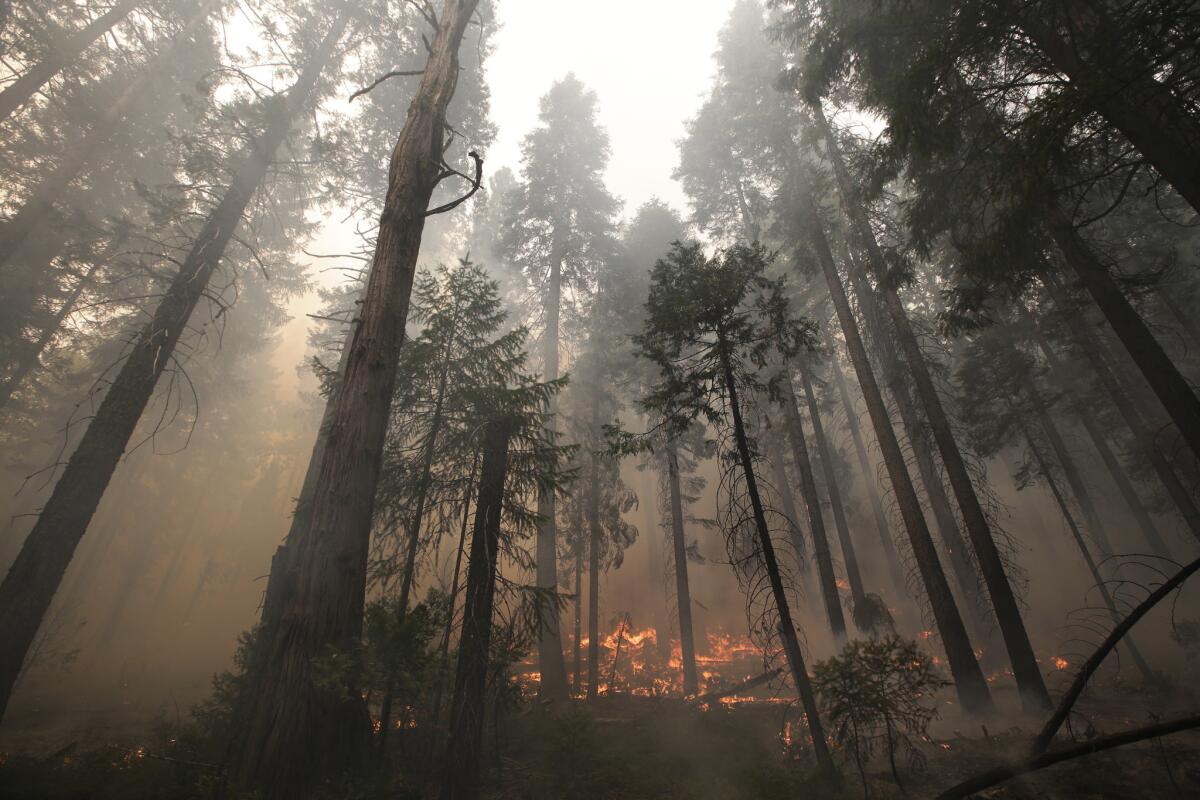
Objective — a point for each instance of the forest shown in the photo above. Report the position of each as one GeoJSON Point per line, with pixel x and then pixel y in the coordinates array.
{"type": "Point", "coordinates": [490, 399]}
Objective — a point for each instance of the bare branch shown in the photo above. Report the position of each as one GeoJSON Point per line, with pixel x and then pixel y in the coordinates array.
{"type": "Point", "coordinates": [475, 182]}
{"type": "Point", "coordinates": [396, 73]}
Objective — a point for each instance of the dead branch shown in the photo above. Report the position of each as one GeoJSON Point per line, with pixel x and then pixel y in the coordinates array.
{"type": "Point", "coordinates": [1042, 742]}
{"type": "Point", "coordinates": [749, 683]}
{"type": "Point", "coordinates": [396, 73]}
{"type": "Point", "coordinates": [475, 182]}
{"type": "Point", "coordinates": [1043, 760]}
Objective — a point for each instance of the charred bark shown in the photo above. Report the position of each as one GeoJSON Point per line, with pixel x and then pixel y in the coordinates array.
{"type": "Point", "coordinates": [467, 709]}
{"type": "Point", "coordinates": [296, 733]}
{"type": "Point", "coordinates": [849, 557]}
{"type": "Point", "coordinates": [1029, 678]}
{"type": "Point", "coordinates": [969, 683]}
{"type": "Point", "coordinates": [683, 594]}
{"type": "Point", "coordinates": [886, 545]}
{"type": "Point", "coordinates": [787, 629]}
{"type": "Point", "coordinates": [816, 522]}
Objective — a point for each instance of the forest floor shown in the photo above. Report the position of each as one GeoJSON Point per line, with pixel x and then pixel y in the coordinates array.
{"type": "Point", "coordinates": [629, 747]}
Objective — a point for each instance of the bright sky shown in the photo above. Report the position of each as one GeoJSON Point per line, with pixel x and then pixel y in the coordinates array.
{"type": "Point", "coordinates": [649, 62]}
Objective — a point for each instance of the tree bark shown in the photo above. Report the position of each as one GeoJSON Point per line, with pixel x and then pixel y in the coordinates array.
{"type": "Point", "coordinates": [15, 230]}
{"type": "Point", "coordinates": [656, 567]}
{"type": "Point", "coordinates": [577, 643]}
{"type": "Point", "coordinates": [816, 522]}
{"type": "Point", "coordinates": [1169, 385]}
{"type": "Point", "coordinates": [34, 577]}
{"type": "Point", "coordinates": [849, 557]}
{"type": "Point", "coordinates": [1115, 469]}
{"type": "Point", "coordinates": [787, 630]}
{"type": "Point", "coordinates": [969, 683]}
{"type": "Point", "coordinates": [784, 487]}
{"type": "Point", "coordinates": [683, 594]}
{"type": "Point", "coordinates": [20, 91]}
{"type": "Point", "coordinates": [297, 733]}
{"type": "Point", "coordinates": [1146, 111]}
{"type": "Point", "coordinates": [553, 683]}
{"type": "Point", "coordinates": [470, 680]}
{"type": "Point", "coordinates": [944, 517]}
{"type": "Point", "coordinates": [864, 466]}
{"type": "Point", "coordinates": [1029, 678]}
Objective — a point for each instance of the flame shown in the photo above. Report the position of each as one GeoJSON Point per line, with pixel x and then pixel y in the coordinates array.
{"type": "Point", "coordinates": [841, 584]}
{"type": "Point", "coordinates": [925, 634]}
{"type": "Point", "coordinates": [1060, 662]}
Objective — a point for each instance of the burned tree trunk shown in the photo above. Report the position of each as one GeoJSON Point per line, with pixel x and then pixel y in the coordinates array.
{"type": "Point", "coordinates": [864, 467]}
{"type": "Point", "coordinates": [1004, 602]}
{"type": "Point", "coordinates": [972, 689]}
{"type": "Point", "coordinates": [816, 522]}
{"type": "Point", "coordinates": [295, 733]}
{"type": "Point", "coordinates": [787, 629]}
{"type": "Point", "coordinates": [853, 575]}
{"type": "Point", "coordinates": [33, 579]}
{"type": "Point", "coordinates": [944, 517]}
{"type": "Point", "coordinates": [467, 709]}
{"type": "Point", "coordinates": [60, 56]}
{"type": "Point", "coordinates": [577, 643]}
{"type": "Point", "coordinates": [683, 594]}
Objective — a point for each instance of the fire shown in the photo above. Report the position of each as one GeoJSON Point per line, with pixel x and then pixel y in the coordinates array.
{"type": "Point", "coordinates": [1060, 662]}
{"type": "Point", "coordinates": [925, 634]}
{"type": "Point", "coordinates": [841, 584]}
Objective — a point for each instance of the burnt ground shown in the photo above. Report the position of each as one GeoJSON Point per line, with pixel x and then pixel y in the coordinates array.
{"type": "Point", "coordinates": [624, 747]}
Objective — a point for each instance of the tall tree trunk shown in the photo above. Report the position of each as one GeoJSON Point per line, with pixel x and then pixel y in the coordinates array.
{"type": "Point", "coordinates": [886, 545]}
{"type": "Point", "coordinates": [1030, 682]}
{"type": "Point", "coordinates": [1169, 385]}
{"type": "Point", "coordinates": [944, 517]}
{"type": "Point", "coordinates": [1157, 122]}
{"type": "Point", "coordinates": [16, 229]}
{"type": "Point", "coordinates": [816, 522]}
{"type": "Point", "coordinates": [656, 567]}
{"type": "Point", "coordinates": [553, 683]}
{"type": "Point", "coordinates": [30, 358]}
{"type": "Point", "coordinates": [470, 680]}
{"type": "Point", "coordinates": [33, 579]}
{"type": "Point", "coordinates": [577, 642]}
{"type": "Point", "coordinates": [824, 452]}
{"type": "Point", "coordinates": [969, 682]}
{"type": "Point", "coordinates": [1074, 479]}
{"type": "Point", "coordinates": [593, 515]}
{"type": "Point", "coordinates": [451, 603]}
{"type": "Point", "coordinates": [297, 733]}
{"type": "Point", "coordinates": [784, 488]}
{"type": "Point", "coordinates": [683, 594]}
{"type": "Point", "coordinates": [1143, 433]}
{"type": "Point", "coordinates": [787, 629]}
{"type": "Point", "coordinates": [1099, 582]}
{"type": "Point", "coordinates": [1115, 469]}
{"type": "Point", "coordinates": [60, 56]}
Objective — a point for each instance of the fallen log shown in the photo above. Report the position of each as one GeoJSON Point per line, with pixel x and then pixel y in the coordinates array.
{"type": "Point", "coordinates": [749, 683]}
{"type": "Point", "coordinates": [1000, 774]}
